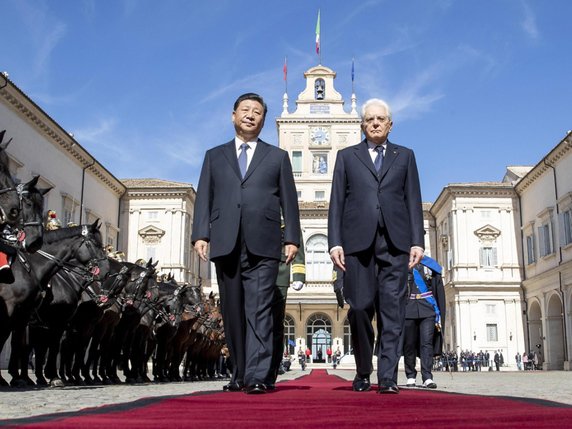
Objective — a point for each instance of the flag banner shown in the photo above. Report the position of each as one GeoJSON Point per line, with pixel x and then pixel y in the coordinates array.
{"type": "Point", "coordinates": [353, 70]}
{"type": "Point", "coordinates": [285, 69]}
{"type": "Point", "coordinates": [292, 343]}
{"type": "Point", "coordinates": [318, 34]}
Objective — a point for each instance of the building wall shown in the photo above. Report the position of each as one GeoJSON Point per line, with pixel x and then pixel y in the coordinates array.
{"type": "Point", "coordinates": [484, 297]}
{"type": "Point", "coordinates": [546, 200]}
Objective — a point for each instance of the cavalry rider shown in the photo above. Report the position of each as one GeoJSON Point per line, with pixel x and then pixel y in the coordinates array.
{"type": "Point", "coordinates": [52, 221]}
{"type": "Point", "coordinates": [424, 319]}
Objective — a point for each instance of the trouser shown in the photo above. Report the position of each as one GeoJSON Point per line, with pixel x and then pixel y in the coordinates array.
{"type": "Point", "coordinates": [375, 283]}
{"type": "Point", "coordinates": [247, 283]}
{"type": "Point", "coordinates": [418, 338]}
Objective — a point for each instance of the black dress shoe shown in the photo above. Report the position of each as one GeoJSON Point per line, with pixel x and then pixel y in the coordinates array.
{"type": "Point", "coordinates": [257, 388]}
{"type": "Point", "coordinates": [232, 387]}
{"type": "Point", "coordinates": [387, 387]}
{"type": "Point", "coordinates": [361, 384]}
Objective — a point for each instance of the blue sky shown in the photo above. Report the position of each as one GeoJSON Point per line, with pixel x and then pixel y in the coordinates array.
{"type": "Point", "coordinates": [147, 86]}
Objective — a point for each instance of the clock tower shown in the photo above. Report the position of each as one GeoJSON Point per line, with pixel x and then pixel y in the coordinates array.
{"type": "Point", "coordinates": [312, 135]}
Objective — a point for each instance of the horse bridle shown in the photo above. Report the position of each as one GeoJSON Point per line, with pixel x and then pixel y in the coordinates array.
{"type": "Point", "coordinates": [19, 189]}
{"type": "Point", "coordinates": [88, 272]}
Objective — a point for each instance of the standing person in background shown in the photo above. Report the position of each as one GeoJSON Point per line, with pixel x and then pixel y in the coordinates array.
{"type": "Point", "coordinates": [295, 273]}
{"type": "Point", "coordinates": [375, 233]}
{"type": "Point", "coordinates": [244, 187]}
{"type": "Point", "coordinates": [424, 321]}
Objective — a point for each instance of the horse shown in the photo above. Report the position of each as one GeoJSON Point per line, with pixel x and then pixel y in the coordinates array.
{"type": "Point", "coordinates": [121, 275]}
{"type": "Point", "coordinates": [32, 273]}
{"type": "Point", "coordinates": [118, 349]}
{"type": "Point", "coordinates": [9, 201]}
{"type": "Point", "coordinates": [176, 306]}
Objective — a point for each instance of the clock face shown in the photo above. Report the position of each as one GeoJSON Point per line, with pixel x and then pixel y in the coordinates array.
{"type": "Point", "coordinates": [320, 135]}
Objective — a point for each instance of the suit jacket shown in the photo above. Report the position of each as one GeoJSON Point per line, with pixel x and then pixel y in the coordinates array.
{"type": "Point", "coordinates": [359, 198]}
{"type": "Point", "coordinates": [226, 203]}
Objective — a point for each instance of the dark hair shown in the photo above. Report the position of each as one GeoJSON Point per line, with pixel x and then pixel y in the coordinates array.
{"type": "Point", "coordinates": [250, 96]}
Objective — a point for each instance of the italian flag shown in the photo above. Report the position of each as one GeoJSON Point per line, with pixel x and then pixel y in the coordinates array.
{"type": "Point", "coordinates": [318, 34]}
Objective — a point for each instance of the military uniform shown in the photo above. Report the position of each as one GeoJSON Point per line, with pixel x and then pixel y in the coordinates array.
{"type": "Point", "coordinates": [297, 270]}
{"type": "Point", "coordinates": [424, 320]}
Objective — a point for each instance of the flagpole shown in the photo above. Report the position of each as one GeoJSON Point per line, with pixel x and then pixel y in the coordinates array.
{"type": "Point", "coordinates": [285, 69]}
{"type": "Point", "coordinates": [318, 41]}
{"type": "Point", "coordinates": [353, 75]}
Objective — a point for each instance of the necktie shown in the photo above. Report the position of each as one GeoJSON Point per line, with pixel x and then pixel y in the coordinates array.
{"type": "Point", "coordinates": [242, 158]}
{"type": "Point", "coordinates": [378, 162]}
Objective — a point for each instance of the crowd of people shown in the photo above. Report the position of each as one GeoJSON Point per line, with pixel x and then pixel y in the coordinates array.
{"type": "Point", "coordinates": [469, 360]}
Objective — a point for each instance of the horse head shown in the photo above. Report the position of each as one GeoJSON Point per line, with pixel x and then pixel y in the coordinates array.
{"type": "Point", "coordinates": [31, 211]}
{"type": "Point", "coordinates": [9, 201]}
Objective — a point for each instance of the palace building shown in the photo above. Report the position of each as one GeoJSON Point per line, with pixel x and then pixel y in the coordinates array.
{"type": "Point", "coordinates": [506, 246]}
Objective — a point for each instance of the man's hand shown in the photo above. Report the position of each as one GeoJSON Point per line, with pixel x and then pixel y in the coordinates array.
{"type": "Point", "coordinates": [338, 258]}
{"type": "Point", "coordinates": [201, 247]}
{"type": "Point", "coordinates": [415, 255]}
{"type": "Point", "coordinates": [290, 250]}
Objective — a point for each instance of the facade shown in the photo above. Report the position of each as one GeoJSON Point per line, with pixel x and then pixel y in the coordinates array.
{"type": "Point", "coordinates": [157, 217]}
{"type": "Point", "coordinates": [477, 243]}
{"type": "Point", "coordinates": [546, 235]}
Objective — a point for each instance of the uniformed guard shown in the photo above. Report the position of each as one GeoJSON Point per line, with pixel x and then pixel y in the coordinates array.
{"type": "Point", "coordinates": [52, 221]}
{"type": "Point", "coordinates": [288, 275]}
{"type": "Point", "coordinates": [424, 320]}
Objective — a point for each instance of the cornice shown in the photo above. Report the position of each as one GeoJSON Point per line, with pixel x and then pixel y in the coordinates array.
{"type": "Point", "coordinates": [147, 193]}
{"type": "Point", "coordinates": [318, 120]}
{"type": "Point", "coordinates": [49, 128]}
{"type": "Point", "coordinates": [492, 189]}
{"type": "Point", "coordinates": [559, 152]}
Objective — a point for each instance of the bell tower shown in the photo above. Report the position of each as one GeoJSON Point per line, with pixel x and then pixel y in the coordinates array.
{"type": "Point", "coordinates": [312, 135]}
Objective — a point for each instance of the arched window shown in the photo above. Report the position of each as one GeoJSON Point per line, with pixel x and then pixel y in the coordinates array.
{"type": "Point", "coordinates": [318, 263]}
{"type": "Point", "coordinates": [289, 334]}
{"type": "Point", "coordinates": [320, 87]}
{"type": "Point", "coordinates": [319, 335]}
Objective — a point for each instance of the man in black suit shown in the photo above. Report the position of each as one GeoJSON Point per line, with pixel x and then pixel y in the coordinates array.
{"type": "Point", "coordinates": [375, 233]}
{"type": "Point", "coordinates": [244, 186]}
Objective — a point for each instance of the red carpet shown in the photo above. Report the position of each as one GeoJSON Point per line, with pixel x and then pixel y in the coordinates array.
{"type": "Point", "coordinates": [315, 401]}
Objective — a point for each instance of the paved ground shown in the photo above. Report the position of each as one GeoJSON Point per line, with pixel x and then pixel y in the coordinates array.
{"type": "Point", "coordinates": [15, 403]}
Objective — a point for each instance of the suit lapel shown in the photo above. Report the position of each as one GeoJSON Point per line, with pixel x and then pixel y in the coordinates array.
{"type": "Point", "coordinates": [229, 151]}
{"type": "Point", "coordinates": [363, 155]}
{"type": "Point", "coordinates": [260, 153]}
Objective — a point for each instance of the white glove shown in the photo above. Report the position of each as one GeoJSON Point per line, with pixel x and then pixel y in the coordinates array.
{"type": "Point", "coordinates": [297, 285]}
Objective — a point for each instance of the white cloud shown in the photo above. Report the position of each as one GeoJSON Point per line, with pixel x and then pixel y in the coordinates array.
{"type": "Point", "coordinates": [529, 22]}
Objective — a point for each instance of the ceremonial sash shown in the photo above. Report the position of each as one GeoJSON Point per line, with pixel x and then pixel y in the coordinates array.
{"type": "Point", "coordinates": [422, 286]}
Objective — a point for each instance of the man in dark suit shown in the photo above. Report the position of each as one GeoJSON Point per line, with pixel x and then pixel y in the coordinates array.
{"type": "Point", "coordinates": [244, 186]}
{"type": "Point", "coordinates": [375, 233]}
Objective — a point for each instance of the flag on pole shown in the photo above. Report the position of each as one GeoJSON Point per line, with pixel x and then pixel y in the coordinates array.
{"type": "Point", "coordinates": [318, 34]}
{"type": "Point", "coordinates": [285, 69]}
{"type": "Point", "coordinates": [353, 70]}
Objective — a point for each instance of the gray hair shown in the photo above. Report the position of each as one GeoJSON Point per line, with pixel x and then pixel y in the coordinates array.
{"type": "Point", "coordinates": [378, 102]}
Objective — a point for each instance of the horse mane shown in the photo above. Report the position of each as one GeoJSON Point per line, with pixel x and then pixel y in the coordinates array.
{"type": "Point", "coordinates": [54, 235]}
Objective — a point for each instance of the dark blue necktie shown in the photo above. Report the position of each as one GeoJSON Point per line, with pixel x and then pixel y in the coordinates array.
{"type": "Point", "coordinates": [378, 162]}
{"type": "Point", "coordinates": [242, 159]}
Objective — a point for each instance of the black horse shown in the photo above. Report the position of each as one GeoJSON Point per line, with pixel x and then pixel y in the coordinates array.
{"type": "Point", "coordinates": [122, 276]}
{"type": "Point", "coordinates": [117, 349]}
{"type": "Point", "coordinates": [9, 201]}
{"type": "Point", "coordinates": [33, 272]}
